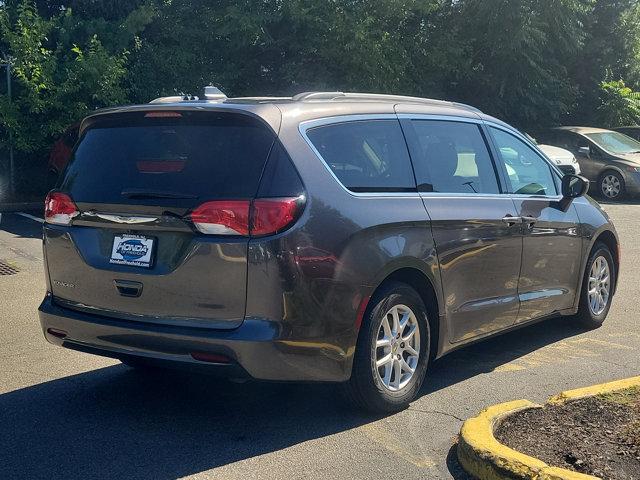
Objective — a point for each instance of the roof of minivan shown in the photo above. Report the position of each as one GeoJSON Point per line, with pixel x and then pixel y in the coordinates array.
{"type": "Point", "coordinates": [308, 106]}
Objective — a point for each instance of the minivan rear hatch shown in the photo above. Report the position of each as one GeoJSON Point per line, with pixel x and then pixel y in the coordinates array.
{"type": "Point", "coordinates": [131, 250]}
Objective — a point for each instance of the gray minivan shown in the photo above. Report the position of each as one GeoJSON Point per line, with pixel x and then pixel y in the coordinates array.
{"type": "Point", "coordinates": [327, 236]}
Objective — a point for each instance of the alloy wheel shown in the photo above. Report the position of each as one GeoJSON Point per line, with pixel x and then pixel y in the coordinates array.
{"type": "Point", "coordinates": [599, 285]}
{"type": "Point", "coordinates": [396, 351]}
{"type": "Point", "coordinates": [610, 186]}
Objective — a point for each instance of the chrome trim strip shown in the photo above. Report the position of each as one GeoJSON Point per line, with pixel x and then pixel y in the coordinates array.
{"type": "Point", "coordinates": [445, 118]}
{"type": "Point", "coordinates": [131, 220]}
{"type": "Point", "coordinates": [306, 125]}
{"type": "Point", "coordinates": [553, 198]}
{"type": "Point", "coordinates": [479, 196]}
{"type": "Point", "coordinates": [540, 294]}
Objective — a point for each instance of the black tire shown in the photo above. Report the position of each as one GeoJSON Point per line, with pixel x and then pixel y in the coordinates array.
{"type": "Point", "coordinates": [586, 318]}
{"type": "Point", "coordinates": [604, 186]}
{"type": "Point", "coordinates": [365, 389]}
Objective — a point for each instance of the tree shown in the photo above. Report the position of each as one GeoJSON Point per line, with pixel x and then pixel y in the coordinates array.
{"type": "Point", "coordinates": [611, 51]}
{"type": "Point", "coordinates": [61, 73]}
{"type": "Point", "coordinates": [619, 105]}
{"type": "Point", "coordinates": [516, 55]}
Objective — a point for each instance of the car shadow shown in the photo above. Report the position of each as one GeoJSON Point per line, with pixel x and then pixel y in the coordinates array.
{"type": "Point", "coordinates": [115, 422]}
{"type": "Point", "coordinates": [21, 226]}
{"type": "Point", "coordinates": [624, 201]}
{"type": "Point", "coordinates": [490, 354]}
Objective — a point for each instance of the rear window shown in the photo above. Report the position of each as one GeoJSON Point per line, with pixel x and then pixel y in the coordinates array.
{"type": "Point", "coordinates": [168, 161]}
{"type": "Point", "coordinates": [366, 156]}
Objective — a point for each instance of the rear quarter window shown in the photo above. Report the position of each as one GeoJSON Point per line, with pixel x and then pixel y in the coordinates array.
{"type": "Point", "coordinates": [366, 156]}
{"type": "Point", "coordinates": [192, 159]}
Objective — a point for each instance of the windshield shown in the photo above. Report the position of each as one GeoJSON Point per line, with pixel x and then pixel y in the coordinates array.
{"type": "Point", "coordinates": [615, 142]}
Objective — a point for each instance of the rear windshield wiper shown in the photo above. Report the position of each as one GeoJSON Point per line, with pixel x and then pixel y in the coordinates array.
{"type": "Point", "coordinates": [142, 193]}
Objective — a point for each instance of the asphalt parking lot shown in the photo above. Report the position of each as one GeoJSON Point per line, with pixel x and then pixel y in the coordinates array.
{"type": "Point", "coordinates": [65, 414]}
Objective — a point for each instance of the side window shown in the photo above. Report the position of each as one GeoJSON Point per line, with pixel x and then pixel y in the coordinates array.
{"type": "Point", "coordinates": [366, 156]}
{"type": "Point", "coordinates": [528, 173]}
{"type": "Point", "coordinates": [452, 157]}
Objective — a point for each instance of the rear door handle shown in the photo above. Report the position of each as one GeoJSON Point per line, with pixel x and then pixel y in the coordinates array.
{"type": "Point", "coordinates": [529, 221]}
{"type": "Point", "coordinates": [511, 220]}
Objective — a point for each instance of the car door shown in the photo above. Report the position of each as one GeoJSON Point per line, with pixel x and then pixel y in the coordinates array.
{"type": "Point", "coordinates": [475, 227]}
{"type": "Point", "coordinates": [551, 255]}
{"type": "Point", "coordinates": [591, 163]}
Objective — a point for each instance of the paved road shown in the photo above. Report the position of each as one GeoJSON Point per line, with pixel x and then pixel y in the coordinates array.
{"type": "Point", "coordinates": [69, 415]}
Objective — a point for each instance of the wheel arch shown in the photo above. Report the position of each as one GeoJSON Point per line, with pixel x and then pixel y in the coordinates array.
{"type": "Point", "coordinates": [611, 241]}
{"type": "Point", "coordinates": [610, 167]}
{"type": "Point", "coordinates": [422, 284]}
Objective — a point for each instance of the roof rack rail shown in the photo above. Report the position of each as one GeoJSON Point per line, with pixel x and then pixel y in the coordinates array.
{"type": "Point", "coordinates": [174, 99]}
{"type": "Point", "coordinates": [301, 97]}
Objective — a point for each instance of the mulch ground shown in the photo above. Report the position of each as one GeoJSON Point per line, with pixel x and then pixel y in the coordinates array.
{"type": "Point", "coordinates": [598, 436]}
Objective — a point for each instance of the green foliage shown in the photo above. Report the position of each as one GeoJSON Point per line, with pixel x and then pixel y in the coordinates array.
{"type": "Point", "coordinates": [530, 62]}
{"type": "Point", "coordinates": [516, 56]}
{"type": "Point", "coordinates": [60, 73]}
{"type": "Point", "coordinates": [619, 106]}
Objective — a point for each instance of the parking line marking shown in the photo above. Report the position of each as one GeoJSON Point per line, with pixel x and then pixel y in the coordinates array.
{"type": "Point", "coordinates": [32, 217]}
{"type": "Point", "coordinates": [380, 435]}
{"type": "Point", "coordinates": [562, 351]}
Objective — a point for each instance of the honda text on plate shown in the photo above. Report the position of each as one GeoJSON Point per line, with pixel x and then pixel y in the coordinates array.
{"type": "Point", "coordinates": [335, 237]}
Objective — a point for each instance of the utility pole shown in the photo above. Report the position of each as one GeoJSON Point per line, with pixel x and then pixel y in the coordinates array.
{"type": "Point", "coordinates": [7, 65]}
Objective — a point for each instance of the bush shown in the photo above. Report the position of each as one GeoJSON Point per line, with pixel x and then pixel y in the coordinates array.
{"type": "Point", "coordinates": [619, 106]}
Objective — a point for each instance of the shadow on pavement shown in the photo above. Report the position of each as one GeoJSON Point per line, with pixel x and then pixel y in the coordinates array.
{"type": "Point", "coordinates": [454, 467]}
{"type": "Point", "coordinates": [119, 423]}
{"type": "Point", "coordinates": [21, 226]}
{"type": "Point", "coordinates": [624, 201]}
{"type": "Point", "coordinates": [487, 355]}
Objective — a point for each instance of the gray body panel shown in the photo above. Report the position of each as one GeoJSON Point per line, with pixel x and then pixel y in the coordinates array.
{"type": "Point", "coordinates": [289, 306]}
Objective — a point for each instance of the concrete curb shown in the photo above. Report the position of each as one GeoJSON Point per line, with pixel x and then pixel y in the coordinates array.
{"type": "Point", "coordinates": [484, 457]}
{"type": "Point", "coordinates": [608, 387]}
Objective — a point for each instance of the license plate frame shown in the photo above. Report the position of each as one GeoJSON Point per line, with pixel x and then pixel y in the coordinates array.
{"type": "Point", "coordinates": [133, 250]}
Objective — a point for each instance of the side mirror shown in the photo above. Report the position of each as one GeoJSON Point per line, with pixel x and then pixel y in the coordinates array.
{"type": "Point", "coordinates": [584, 151]}
{"type": "Point", "coordinates": [574, 186]}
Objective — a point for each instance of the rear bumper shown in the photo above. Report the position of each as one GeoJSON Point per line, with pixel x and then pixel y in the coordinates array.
{"type": "Point", "coordinates": [258, 348]}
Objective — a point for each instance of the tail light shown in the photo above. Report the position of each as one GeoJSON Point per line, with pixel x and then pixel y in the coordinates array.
{"type": "Point", "coordinates": [273, 215]}
{"type": "Point", "coordinates": [59, 208]}
{"type": "Point", "coordinates": [223, 217]}
{"type": "Point", "coordinates": [255, 218]}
